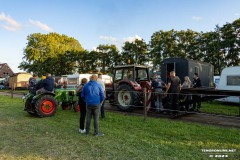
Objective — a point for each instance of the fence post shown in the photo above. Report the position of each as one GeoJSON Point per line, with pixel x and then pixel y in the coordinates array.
{"type": "Point", "coordinates": [239, 107]}
{"type": "Point", "coordinates": [12, 87]}
{"type": "Point", "coordinates": [145, 102]}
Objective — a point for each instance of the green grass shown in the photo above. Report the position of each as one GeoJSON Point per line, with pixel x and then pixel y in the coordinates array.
{"type": "Point", "coordinates": [216, 107]}
{"type": "Point", "coordinates": [126, 137]}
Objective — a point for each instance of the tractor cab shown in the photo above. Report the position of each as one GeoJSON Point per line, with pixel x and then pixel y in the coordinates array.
{"type": "Point", "coordinates": [128, 84]}
{"type": "Point", "coordinates": [134, 75]}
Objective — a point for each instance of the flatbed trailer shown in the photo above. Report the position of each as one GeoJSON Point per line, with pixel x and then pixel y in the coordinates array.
{"type": "Point", "coordinates": [207, 94]}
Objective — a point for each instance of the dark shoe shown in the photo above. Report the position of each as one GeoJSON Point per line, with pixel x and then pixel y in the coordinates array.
{"type": "Point", "coordinates": [99, 134]}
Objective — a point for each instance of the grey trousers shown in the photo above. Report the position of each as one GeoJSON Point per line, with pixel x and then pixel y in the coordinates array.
{"type": "Point", "coordinates": [92, 111]}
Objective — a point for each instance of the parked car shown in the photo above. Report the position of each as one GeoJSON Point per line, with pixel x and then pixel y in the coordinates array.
{"type": "Point", "coordinates": [2, 86]}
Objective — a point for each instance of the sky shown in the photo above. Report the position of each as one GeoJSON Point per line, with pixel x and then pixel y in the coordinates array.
{"type": "Point", "coordinates": [94, 22]}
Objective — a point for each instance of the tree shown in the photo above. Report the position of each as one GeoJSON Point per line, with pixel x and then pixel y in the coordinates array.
{"type": "Point", "coordinates": [136, 52]}
{"type": "Point", "coordinates": [164, 44]}
{"type": "Point", "coordinates": [230, 34]}
{"type": "Point", "coordinates": [107, 56]}
{"type": "Point", "coordinates": [51, 52]}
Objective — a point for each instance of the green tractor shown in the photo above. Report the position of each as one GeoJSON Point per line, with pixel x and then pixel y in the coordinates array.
{"type": "Point", "coordinates": [45, 104]}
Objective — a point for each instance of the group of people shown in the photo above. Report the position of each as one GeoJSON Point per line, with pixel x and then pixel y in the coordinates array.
{"type": "Point", "coordinates": [91, 98]}
{"type": "Point", "coordinates": [91, 101]}
{"type": "Point", "coordinates": [173, 88]}
{"type": "Point", "coordinates": [46, 84]}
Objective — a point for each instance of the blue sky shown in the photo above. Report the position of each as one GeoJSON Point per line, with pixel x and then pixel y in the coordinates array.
{"type": "Point", "coordinates": [94, 22]}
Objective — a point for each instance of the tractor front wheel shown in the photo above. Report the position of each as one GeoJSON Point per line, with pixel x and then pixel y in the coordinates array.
{"type": "Point", "coordinates": [46, 106]}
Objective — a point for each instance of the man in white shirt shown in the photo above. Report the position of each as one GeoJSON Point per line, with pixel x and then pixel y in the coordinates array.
{"type": "Point", "coordinates": [102, 83]}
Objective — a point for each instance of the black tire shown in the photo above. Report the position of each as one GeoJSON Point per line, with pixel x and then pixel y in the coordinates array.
{"type": "Point", "coordinates": [28, 107]}
{"type": "Point", "coordinates": [45, 106]}
{"type": "Point", "coordinates": [127, 98]}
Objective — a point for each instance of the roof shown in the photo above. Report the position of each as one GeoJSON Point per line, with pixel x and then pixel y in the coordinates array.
{"type": "Point", "coordinates": [2, 65]}
{"type": "Point", "coordinates": [183, 59]}
{"type": "Point", "coordinates": [131, 65]}
{"type": "Point", "coordinates": [234, 70]}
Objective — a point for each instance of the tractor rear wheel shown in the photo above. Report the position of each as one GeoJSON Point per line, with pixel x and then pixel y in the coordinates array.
{"type": "Point", "coordinates": [126, 97]}
{"type": "Point", "coordinates": [45, 106]}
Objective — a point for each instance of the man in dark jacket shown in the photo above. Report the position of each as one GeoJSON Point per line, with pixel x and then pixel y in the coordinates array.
{"type": "Point", "coordinates": [196, 84]}
{"type": "Point", "coordinates": [93, 94]}
{"type": "Point", "coordinates": [32, 84]}
{"type": "Point", "coordinates": [47, 85]}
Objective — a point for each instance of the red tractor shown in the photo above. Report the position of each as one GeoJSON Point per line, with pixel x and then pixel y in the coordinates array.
{"type": "Point", "coordinates": [127, 88]}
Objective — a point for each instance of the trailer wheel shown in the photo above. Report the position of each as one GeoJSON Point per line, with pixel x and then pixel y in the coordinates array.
{"type": "Point", "coordinates": [46, 106]}
{"type": "Point", "coordinates": [126, 97]}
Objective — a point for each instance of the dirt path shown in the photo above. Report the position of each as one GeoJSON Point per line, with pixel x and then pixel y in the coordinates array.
{"type": "Point", "coordinates": [211, 119]}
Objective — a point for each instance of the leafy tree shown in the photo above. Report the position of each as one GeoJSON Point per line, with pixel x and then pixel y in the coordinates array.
{"type": "Point", "coordinates": [136, 52]}
{"type": "Point", "coordinates": [51, 52]}
{"type": "Point", "coordinates": [230, 34]}
{"type": "Point", "coordinates": [107, 56]}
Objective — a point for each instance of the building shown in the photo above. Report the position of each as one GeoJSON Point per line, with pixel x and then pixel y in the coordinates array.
{"type": "Point", "coordinates": [5, 70]}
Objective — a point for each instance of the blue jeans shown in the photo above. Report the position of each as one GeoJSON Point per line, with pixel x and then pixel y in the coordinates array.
{"type": "Point", "coordinates": [92, 111]}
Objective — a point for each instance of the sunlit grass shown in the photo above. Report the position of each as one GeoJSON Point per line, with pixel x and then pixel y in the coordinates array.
{"type": "Point", "coordinates": [126, 137]}
{"type": "Point", "coordinates": [216, 107]}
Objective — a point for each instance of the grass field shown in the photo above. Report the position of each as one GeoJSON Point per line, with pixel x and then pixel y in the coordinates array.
{"type": "Point", "coordinates": [216, 107]}
{"type": "Point", "coordinates": [126, 137]}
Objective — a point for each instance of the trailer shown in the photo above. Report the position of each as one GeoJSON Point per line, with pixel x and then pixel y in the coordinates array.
{"type": "Point", "coordinates": [230, 80]}
{"type": "Point", "coordinates": [187, 67]}
{"type": "Point", "coordinates": [74, 80]}
{"type": "Point", "coordinates": [19, 80]}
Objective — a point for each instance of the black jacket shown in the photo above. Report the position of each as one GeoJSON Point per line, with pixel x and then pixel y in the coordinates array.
{"type": "Point", "coordinates": [48, 84]}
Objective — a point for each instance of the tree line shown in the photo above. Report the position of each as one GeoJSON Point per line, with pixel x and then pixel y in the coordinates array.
{"type": "Point", "coordinates": [61, 55]}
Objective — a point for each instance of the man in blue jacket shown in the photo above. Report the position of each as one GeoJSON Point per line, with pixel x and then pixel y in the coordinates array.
{"type": "Point", "coordinates": [93, 94]}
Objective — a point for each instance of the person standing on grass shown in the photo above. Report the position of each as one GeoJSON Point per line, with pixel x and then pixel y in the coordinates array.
{"type": "Point", "coordinates": [101, 82]}
{"type": "Point", "coordinates": [173, 88]}
{"type": "Point", "coordinates": [93, 95]}
{"type": "Point", "coordinates": [157, 85]}
{"type": "Point", "coordinates": [82, 105]}
{"type": "Point", "coordinates": [186, 84]}
{"type": "Point", "coordinates": [196, 84]}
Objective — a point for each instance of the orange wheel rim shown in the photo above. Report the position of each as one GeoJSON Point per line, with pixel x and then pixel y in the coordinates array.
{"type": "Point", "coordinates": [47, 106]}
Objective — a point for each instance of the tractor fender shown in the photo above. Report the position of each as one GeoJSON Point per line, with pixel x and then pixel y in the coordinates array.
{"type": "Point", "coordinates": [135, 86]}
{"type": "Point", "coordinates": [36, 97]}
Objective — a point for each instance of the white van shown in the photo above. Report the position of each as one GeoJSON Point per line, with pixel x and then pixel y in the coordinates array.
{"type": "Point", "coordinates": [75, 79]}
{"type": "Point", "coordinates": [230, 80]}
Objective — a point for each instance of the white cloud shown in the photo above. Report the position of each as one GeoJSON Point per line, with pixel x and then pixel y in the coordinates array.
{"type": "Point", "coordinates": [9, 23]}
{"type": "Point", "coordinates": [109, 38]}
{"type": "Point", "coordinates": [132, 39]}
{"type": "Point", "coordinates": [196, 18]}
{"type": "Point", "coordinates": [237, 14]}
{"type": "Point", "coordinates": [41, 25]}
